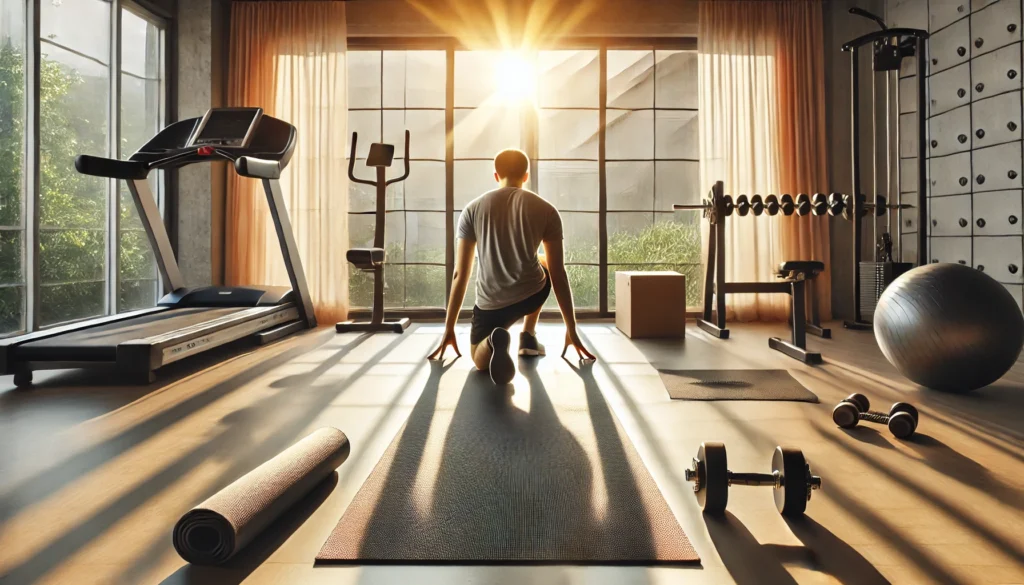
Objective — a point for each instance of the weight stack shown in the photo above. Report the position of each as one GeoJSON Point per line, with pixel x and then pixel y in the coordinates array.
{"type": "Point", "coordinates": [874, 278]}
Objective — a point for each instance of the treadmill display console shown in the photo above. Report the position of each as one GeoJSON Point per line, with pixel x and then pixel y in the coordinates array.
{"type": "Point", "coordinates": [226, 127]}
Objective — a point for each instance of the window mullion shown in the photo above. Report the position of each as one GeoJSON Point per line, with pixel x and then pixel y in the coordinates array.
{"type": "Point", "coordinates": [449, 169]}
{"type": "Point", "coordinates": [113, 151]}
{"type": "Point", "coordinates": [31, 158]}
{"type": "Point", "coordinates": [602, 221]}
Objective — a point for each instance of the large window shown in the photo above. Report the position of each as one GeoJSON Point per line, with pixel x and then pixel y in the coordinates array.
{"type": "Point", "coordinates": [390, 92]}
{"type": "Point", "coordinates": [92, 80]}
{"type": "Point", "coordinates": [142, 116]}
{"type": "Point", "coordinates": [74, 89]}
{"type": "Point", "coordinates": [613, 183]}
{"type": "Point", "coordinates": [652, 164]}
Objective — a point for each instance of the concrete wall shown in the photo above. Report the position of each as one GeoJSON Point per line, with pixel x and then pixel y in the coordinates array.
{"type": "Point", "coordinates": [202, 30]}
{"type": "Point", "coordinates": [840, 27]}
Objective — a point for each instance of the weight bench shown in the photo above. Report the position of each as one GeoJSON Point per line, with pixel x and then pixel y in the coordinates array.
{"type": "Point", "coordinates": [807, 270]}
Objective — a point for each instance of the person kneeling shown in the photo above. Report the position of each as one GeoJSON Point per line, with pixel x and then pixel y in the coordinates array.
{"type": "Point", "coordinates": [504, 229]}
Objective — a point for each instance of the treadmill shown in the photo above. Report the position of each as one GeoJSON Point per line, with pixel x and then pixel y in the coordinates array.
{"type": "Point", "coordinates": [186, 321]}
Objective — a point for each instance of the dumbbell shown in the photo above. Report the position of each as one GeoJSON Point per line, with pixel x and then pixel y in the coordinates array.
{"type": "Point", "coordinates": [786, 204]}
{"type": "Point", "coordinates": [901, 420]}
{"type": "Point", "coordinates": [880, 205]}
{"type": "Point", "coordinates": [742, 205]}
{"type": "Point", "coordinates": [790, 479]}
{"type": "Point", "coordinates": [835, 204]}
{"type": "Point", "coordinates": [756, 205]}
{"type": "Point", "coordinates": [771, 205]}
{"type": "Point", "coordinates": [803, 204]}
{"type": "Point", "coordinates": [819, 204]}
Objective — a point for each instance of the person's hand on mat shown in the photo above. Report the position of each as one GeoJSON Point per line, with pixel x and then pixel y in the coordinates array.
{"type": "Point", "coordinates": [448, 339]}
{"type": "Point", "coordinates": [572, 338]}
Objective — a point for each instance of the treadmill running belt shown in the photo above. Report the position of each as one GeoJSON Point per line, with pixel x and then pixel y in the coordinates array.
{"type": "Point", "coordinates": [481, 477]}
{"type": "Point", "coordinates": [100, 343]}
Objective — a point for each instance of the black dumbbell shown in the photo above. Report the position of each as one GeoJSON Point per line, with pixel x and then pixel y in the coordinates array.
{"type": "Point", "coordinates": [901, 419]}
{"type": "Point", "coordinates": [790, 479]}
{"type": "Point", "coordinates": [742, 205]}
{"type": "Point", "coordinates": [771, 205]}
{"type": "Point", "coordinates": [727, 205]}
{"type": "Point", "coordinates": [835, 204]}
{"type": "Point", "coordinates": [819, 204]}
{"type": "Point", "coordinates": [756, 205]}
{"type": "Point", "coordinates": [786, 204]}
{"type": "Point", "coordinates": [803, 204]}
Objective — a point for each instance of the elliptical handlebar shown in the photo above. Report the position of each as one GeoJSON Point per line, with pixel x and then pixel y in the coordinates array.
{"type": "Point", "coordinates": [352, 161]}
{"type": "Point", "coordinates": [405, 160]}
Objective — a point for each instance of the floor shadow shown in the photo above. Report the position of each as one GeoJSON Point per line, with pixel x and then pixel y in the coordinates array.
{"type": "Point", "coordinates": [946, 460]}
{"type": "Point", "coordinates": [877, 523]}
{"type": "Point", "coordinates": [662, 459]}
{"type": "Point", "coordinates": [954, 510]}
{"type": "Point", "coordinates": [488, 482]}
{"type": "Point", "coordinates": [747, 561]}
{"type": "Point", "coordinates": [868, 435]}
{"type": "Point", "coordinates": [41, 485]}
{"type": "Point", "coordinates": [240, 440]}
{"type": "Point", "coordinates": [238, 568]}
{"type": "Point", "coordinates": [833, 556]}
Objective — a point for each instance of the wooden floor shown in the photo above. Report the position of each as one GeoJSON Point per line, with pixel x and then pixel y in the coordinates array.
{"type": "Point", "coordinates": [93, 477]}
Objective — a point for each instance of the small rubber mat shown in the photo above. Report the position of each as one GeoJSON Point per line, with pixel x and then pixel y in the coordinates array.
{"type": "Point", "coordinates": [734, 385]}
{"type": "Point", "coordinates": [487, 475]}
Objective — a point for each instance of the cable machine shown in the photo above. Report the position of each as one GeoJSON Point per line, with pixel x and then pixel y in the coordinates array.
{"type": "Point", "coordinates": [889, 46]}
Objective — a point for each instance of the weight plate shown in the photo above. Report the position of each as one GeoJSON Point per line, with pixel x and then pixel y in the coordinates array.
{"type": "Point", "coordinates": [903, 407]}
{"type": "Point", "coordinates": [845, 415]}
{"type": "Point", "coordinates": [791, 498]}
{"type": "Point", "coordinates": [714, 471]}
{"type": "Point", "coordinates": [901, 425]}
{"type": "Point", "coordinates": [861, 401]}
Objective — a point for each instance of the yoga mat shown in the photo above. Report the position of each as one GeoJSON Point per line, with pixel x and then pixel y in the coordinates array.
{"type": "Point", "coordinates": [734, 385]}
{"type": "Point", "coordinates": [510, 475]}
{"type": "Point", "coordinates": [215, 530]}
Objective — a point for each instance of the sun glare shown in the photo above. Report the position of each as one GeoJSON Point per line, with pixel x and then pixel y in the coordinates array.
{"type": "Point", "coordinates": [514, 78]}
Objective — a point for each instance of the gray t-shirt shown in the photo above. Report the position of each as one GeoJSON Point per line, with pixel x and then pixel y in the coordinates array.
{"type": "Point", "coordinates": [508, 225]}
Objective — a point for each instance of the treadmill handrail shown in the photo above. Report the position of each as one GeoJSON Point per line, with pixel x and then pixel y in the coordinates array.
{"type": "Point", "coordinates": [257, 168]}
{"type": "Point", "coordinates": [98, 166]}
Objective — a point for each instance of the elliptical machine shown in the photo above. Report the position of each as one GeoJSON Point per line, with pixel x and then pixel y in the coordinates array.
{"type": "Point", "coordinates": [373, 259]}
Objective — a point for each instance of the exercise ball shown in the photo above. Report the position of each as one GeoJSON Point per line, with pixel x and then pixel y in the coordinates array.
{"type": "Point", "coordinates": [949, 327]}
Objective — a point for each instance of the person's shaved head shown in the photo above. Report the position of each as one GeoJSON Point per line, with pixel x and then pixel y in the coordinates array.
{"type": "Point", "coordinates": [511, 163]}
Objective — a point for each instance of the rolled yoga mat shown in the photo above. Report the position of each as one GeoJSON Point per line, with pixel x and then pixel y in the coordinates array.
{"type": "Point", "coordinates": [214, 531]}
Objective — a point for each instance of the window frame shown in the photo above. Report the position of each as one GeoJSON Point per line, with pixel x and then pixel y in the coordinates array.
{"type": "Point", "coordinates": [450, 46]}
{"type": "Point", "coordinates": [31, 147]}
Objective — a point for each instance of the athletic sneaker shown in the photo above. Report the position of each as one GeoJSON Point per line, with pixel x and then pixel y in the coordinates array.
{"type": "Point", "coordinates": [502, 368]}
{"type": "Point", "coordinates": [528, 345]}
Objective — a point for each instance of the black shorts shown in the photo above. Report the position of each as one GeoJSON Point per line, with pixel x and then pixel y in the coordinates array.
{"type": "Point", "coordinates": [486, 321]}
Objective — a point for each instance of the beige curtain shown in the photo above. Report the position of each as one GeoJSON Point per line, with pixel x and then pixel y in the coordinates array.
{"type": "Point", "coordinates": [761, 99]}
{"type": "Point", "coordinates": [289, 59]}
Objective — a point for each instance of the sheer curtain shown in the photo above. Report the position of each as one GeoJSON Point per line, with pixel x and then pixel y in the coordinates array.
{"type": "Point", "coordinates": [289, 59]}
{"type": "Point", "coordinates": [761, 100]}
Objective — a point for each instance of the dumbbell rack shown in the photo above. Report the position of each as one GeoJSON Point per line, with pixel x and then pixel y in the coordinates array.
{"type": "Point", "coordinates": [889, 47]}
{"type": "Point", "coordinates": [716, 209]}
